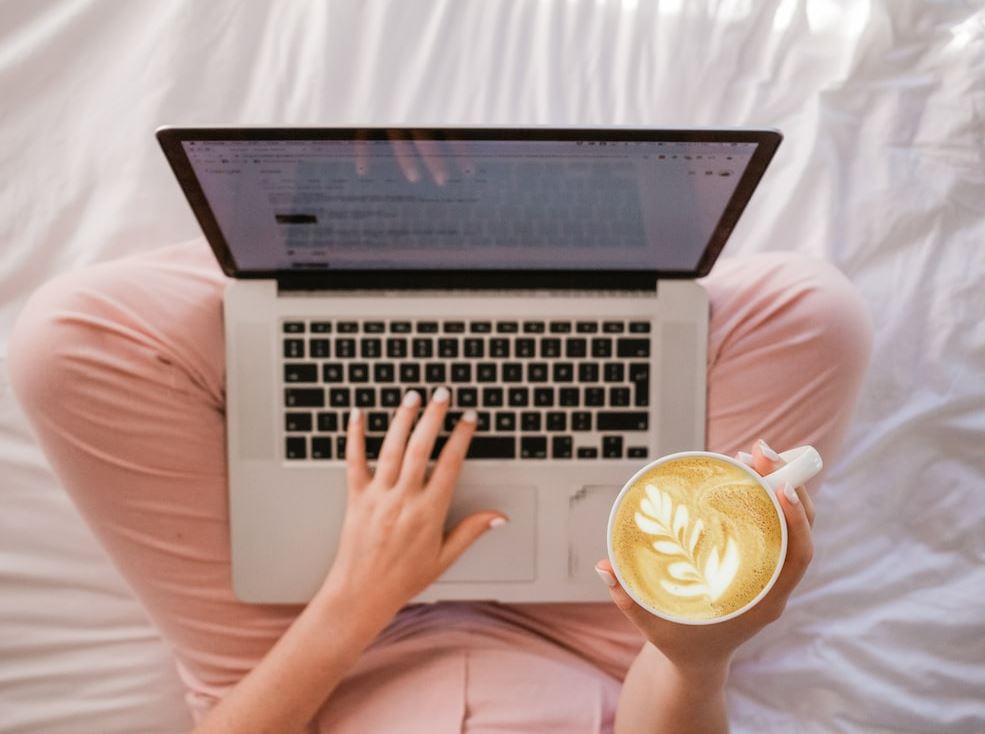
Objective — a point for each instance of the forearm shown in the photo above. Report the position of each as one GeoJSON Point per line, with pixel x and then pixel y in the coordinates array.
{"type": "Point", "coordinates": [283, 693]}
{"type": "Point", "coordinates": [660, 698]}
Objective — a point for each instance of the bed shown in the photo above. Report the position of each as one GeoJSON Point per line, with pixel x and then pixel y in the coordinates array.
{"type": "Point", "coordinates": [882, 172]}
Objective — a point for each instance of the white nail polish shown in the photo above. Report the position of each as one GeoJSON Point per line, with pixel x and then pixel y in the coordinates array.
{"type": "Point", "coordinates": [497, 522]}
{"type": "Point", "coordinates": [745, 457]}
{"type": "Point", "coordinates": [354, 415]}
{"type": "Point", "coordinates": [791, 493]}
{"type": "Point", "coordinates": [767, 451]}
{"type": "Point", "coordinates": [412, 398]}
{"type": "Point", "coordinates": [470, 416]}
{"type": "Point", "coordinates": [440, 395]}
{"type": "Point", "coordinates": [607, 577]}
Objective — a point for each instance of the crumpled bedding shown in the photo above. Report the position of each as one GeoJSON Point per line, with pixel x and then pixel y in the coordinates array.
{"type": "Point", "coordinates": [882, 172]}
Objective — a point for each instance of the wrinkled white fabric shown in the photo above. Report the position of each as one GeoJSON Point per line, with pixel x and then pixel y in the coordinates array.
{"type": "Point", "coordinates": [882, 172]}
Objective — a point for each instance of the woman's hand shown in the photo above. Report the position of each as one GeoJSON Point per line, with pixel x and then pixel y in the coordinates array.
{"type": "Point", "coordinates": [700, 647]}
{"type": "Point", "coordinates": [393, 543]}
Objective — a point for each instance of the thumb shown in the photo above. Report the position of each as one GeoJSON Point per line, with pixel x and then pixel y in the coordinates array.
{"type": "Point", "coordinates": [468, 530]}
{"type": "Point", "coordinates": [633, 611]}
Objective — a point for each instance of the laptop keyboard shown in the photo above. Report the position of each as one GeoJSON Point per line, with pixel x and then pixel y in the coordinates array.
{"type": "Point", "coordinates": [550, 389]}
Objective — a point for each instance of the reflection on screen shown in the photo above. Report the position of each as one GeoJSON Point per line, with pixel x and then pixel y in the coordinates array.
{"type": "Point", "coordinates": [353, 204]}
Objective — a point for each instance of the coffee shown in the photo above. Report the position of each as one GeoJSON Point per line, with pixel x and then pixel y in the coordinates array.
{"type": "Point", "coordinates": [696, 538]}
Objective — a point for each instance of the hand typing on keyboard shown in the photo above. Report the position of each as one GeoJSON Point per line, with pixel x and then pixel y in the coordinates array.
{"type": "Point", "coordinates": [393, 543]}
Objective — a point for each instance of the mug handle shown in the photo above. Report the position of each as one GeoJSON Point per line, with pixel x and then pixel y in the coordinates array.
{"type": "Point", "coordinates": [802, 463]}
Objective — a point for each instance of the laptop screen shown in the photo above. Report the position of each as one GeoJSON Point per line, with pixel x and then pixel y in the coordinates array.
{"type": "Point", "coordinates": [428, 200]}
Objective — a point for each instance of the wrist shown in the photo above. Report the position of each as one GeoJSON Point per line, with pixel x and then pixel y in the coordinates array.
{"type": "Point", "coordinates": [350, 611]}
{"type": "Point", "coordinates": [700, 675]}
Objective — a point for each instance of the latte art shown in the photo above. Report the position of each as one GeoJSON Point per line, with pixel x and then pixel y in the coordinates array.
{"type": "Point", "coordinates": [697, 538]}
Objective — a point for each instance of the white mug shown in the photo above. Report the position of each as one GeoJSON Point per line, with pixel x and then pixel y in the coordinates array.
{"type": "Point", "coordinates": [801, 464]}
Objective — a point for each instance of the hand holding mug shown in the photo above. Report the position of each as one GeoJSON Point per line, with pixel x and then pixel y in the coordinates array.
{"type": "Point", "coordinates": [708, 643]}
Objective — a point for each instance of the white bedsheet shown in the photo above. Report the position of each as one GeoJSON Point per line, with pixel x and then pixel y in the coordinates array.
{"type": "Point", "coordinates": [882, 171]}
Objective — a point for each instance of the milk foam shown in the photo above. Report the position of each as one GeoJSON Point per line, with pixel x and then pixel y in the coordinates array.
{"type": "Point", "coordinates": [697, 538]}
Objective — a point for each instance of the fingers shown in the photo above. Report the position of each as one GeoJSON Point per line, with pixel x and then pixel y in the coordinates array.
{"type": "Point", "coordinates": [449, 463]}
{"type": "Point", "coordinates": [404, 153]}
{"type": "Point", "coordinates": [633, 611]}
{"type": "Point", "coordinates": [764, 459]}
{"type": "Point", "coordinates": [468, 530]}
{"type": "Point", "coordinates": [357, 471]}
{"type": "Point", "coordinates": [421, 442]}
{"type": "Point", "coordinates": [392, 450]}
{"type": "Point", "coordinates": [800, 544]}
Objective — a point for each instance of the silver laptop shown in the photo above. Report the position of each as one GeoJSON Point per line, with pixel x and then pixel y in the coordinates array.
{"type": "Point", "coordinates": [546, 276]}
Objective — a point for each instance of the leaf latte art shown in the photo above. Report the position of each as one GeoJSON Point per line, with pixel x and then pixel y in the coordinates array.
{"type": "Point", "coordinates": [696, 538]}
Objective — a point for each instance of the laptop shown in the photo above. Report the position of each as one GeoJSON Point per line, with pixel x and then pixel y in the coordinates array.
{"type": "Point", "coordinates": [545, 276]}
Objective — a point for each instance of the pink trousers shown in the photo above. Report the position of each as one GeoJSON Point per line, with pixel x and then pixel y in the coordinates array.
{"type": "Point", "coordinates": [120, 369]}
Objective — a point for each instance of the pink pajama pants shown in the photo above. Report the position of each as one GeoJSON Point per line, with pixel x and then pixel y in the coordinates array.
{"type": "Point", "coordinates": [120, 369]}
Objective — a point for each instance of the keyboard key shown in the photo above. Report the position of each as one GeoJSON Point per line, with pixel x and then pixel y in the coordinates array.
{"type": "Point", "coordinates": [427, 327]}
{"type": "Point", "coordinates": [294, 372]}
{"type": "Point", "coordinates": [611, 447]}
{"type": "Point", "coordinates": [480, 327]}
{"type": "Point", "coordinates": [561, 447]}
{"type": "Point", "coordinates": [507, 327]}
{"type": "Point", "coordinates": [340, 447]}
{"type": "Point", "coordinates": [448, 348]}
{"type": "Point", "coordinates": [321, 327]}
{"type": "Point", "coordinates": [587, 327]}
{"type": "Point", "coordinates": [601, 347]}
{"type": "Point", "coordinates": [633, 347]}
{"type": "Point", "coordinates": [492, 397]}
{"type": "Point", "coordinates": [366, 397]}
{"type": "Point", "coordinates": [544, 397]}
{"type": "Point", "coordinates": [484, 422]}
{"type": "Point", "coordinates": [639, 327]}
{"type": "Point", "coordinates": [296, 448]}
{"type": "Point", "coordinates": [613, 327]}
{"type": "Point", "coordinates": [302, 397]}
{"type": "Point", "coordinates": [294, 348]}
{"type": "Point", "coordinates": [639, 375]}
{"type": "Point", "coordinates": [328, 422]}
{"type": "Point", "coordinates": [575, 347]}
{"type": "Point", "coordinates": [400, 327]}
{"type": "Point", "coordinates": [435, 373]}
{"type": "Point", "coordinates": [536, 372]}
{"type": "Point", "coordinates": [550, 347]}
{"type": "Point", "coordinates": [614, 372]}
{"type": "Point", "coordinates": [588, 372]}
{"type": "Point", "coordinates": [581, 421]}
{"type": "Point", "coordinates": [557, 421]}
{"type": "Point", "coordinates": [373, 446]}
{"type": "Point", "coordinates": [297, 422]}
{"type": "Point", "coordinates": [339, 397]}
{"type": "Point", "coordinates": [530, 421]}
{"type": "Point", "coordinates": [410, 372]}
{"type": "Point", "coordinates": [534, 327]}
{"type": "Point", "coordinates": [594, 396]}
{"type": "Point", "coordinates": [492, 447]}
{"type": "Point", "coordinates": [513, 372]}
{"type": "Point", "coordinates": [454, 327]}
{"type": "Point", "coordinates": [567, 397]}
{"type": "Point", "coordinates": [293, 327]}
{"type": "Point", "coordinates": [422, 348]}
{"type": "Point", "coordinates": [348, 327]}
{"type": "Point", "coordinates": [320, 348]}
{"type": "Point", "coordinates": [466, 397]}
{"type": "Point", "coordinates": [485, 372]}
{"type": "Point", "coordinates": [475, 348]}
{"type": "Point", "coordinates": [358, 372]}
{"type": "Point", "coordinates": [396, 348]}
{"type": "Point", "coordinates": [560, 327]}
{"type": "Point", "coordinates": [588, 452]}
{"type": "Point", "coordinates": [377, 421]}
{"type": "Point", "coordinates": [636, 452]}
{"type": "Point", "coordinates": [321, 447]}
{"type": "Point", "coordinates": [461, 372]}
{"type": "Point", "coordinates": [518, 397]}
{"type": "Point", "coordinates": [525, 347]}
{"type": "Point", "coordinates": [505, 421]}
{"type": "Point", "coordinates": [390, 397]}
{"type": "Point", "coordinates": [383, 372]}
{"type": "Point", "coordinates": [564, 372]}
{"type": "Point", "coordinates": [621, 420]}
{"type": "Point", "coordinates": [533, 447]}
{"type": "Point", "coordinates": [345, 348]}
{"type": "Point", "coordinates": [499, 348]}
{"type": "Point", "coordinates": [619, 397]}
{"type": "Point", "coordinates": [331, 373]}
{"type": "Point", "coordinates": [373, 327]}
{"type": "Point", "coordinates": [451, 418]}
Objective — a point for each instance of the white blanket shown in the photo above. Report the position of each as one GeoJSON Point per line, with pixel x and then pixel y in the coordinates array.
{"type": "Point", "coordinates": [882, 171]}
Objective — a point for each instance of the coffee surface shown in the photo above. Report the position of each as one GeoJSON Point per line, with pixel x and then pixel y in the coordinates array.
{"type": "Point", "coordinates": [696, 538]}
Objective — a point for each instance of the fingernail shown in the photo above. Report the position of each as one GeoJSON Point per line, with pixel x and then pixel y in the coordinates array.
{"type": "Point", "coordinates": [767, 451]}
{"type": "Point", "coordinates": [745, 457]}
{"type": "Point", "coordinates": [497, 522]}
{"type": "Point", "coordinates": [354, 415]}
{"type": "Point", "coordinates": [440, 395]}
{"type": "Point", "coordinates": [470, 416]}
{"type": "Point", "coordinates": [607, 577]}
{"type": "Point", "coordinates": [791, 493]}
{"type": "Point", "coordinates": [412, 398]}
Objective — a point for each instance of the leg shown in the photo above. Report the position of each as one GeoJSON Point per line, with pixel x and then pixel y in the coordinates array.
{"type": "Point", "coordinates": [789, 343]}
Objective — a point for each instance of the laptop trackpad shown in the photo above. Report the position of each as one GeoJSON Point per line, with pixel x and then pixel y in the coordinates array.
{"type": "Point", "coordinates": [505, 553]}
